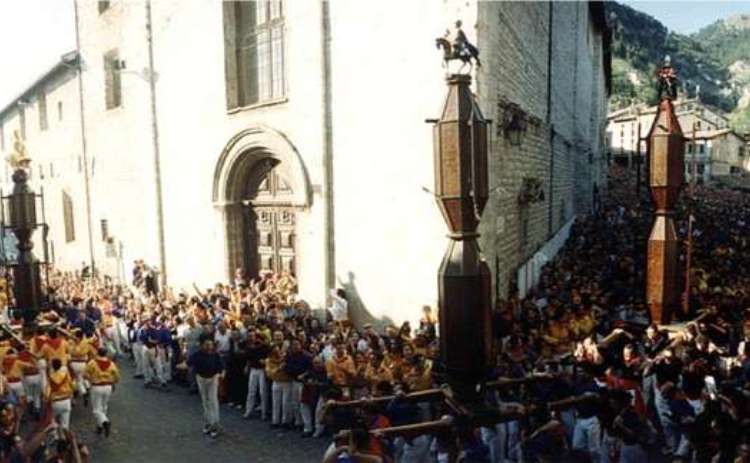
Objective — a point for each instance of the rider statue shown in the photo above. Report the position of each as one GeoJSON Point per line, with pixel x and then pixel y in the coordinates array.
{"type": "Point", "coordinates": [464, 49]}
{"type": "Point", "coordinates": [667, 80]}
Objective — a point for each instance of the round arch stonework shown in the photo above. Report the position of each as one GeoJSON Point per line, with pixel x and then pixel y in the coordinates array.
{"type": "Point", "coordinates": [253, 150]}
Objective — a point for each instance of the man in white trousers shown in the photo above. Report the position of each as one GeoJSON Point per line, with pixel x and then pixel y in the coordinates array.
{"type": "Point", "coordinates": [60, 392]}
{"type": "Point", "coordinates": [32, 379]}
{"type": "Point", "coordinates": [111, 332]}
{"type": "Point", "coordinates": [103, 375]}
{"type": "Point", "coordinates": [82, 350]}
{"type": "Point", "coordinates": [256, 353]}
{"type": "Point", "coordinates": [36, 347]}
{"type": "Point", "coordinates": [208, 369]}
{"type": "Point", "coordinates": [153, 371]}
{"type": "Point", "coordinates": [138, 348]}
{"type": "Point", "coordinates": [164, 349]}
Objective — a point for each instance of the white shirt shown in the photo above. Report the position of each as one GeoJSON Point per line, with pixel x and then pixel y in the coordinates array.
{"type": "Point", "coordinates": [328, 352]}
{"type": "Point", "coordinates": [182, 330]}
{"type": "Point", "coordinates": [339, 307]}
{"type": "Point", "coordinates": [222, 342]}
{"type": "Point", "coordinates": [362, 345]}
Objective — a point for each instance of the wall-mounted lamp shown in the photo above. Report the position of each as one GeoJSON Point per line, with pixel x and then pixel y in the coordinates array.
{"type": "Point", "coordinates": [515, 123]}
{"type": "Point", "coordinates": [532, 191]}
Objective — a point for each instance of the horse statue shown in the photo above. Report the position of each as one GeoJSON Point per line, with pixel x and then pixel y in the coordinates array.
{"type": "Point", "coordinates": [458, 49]}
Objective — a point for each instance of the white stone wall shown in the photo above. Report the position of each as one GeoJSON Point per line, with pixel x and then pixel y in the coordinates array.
{"type": "Point", "coordinates": [387, 79]}
{"type": "Point", "coordinates": [119, 139]}
{"type": "Point", "coordinates": [725, 154]}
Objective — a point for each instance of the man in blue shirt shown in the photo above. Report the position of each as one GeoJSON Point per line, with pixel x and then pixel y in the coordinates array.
{"type": "Point", "coordinates": [152, 368]}
{"type": "Point", "coordinates": [208, 369]}
{"type": "Point", "coordinates": [297, 363]}
{"type": "Point", "coordinates": [164, 335]}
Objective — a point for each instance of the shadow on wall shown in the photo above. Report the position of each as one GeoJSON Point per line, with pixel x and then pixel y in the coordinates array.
{"type": "Point", "coordinates": [358, 313]}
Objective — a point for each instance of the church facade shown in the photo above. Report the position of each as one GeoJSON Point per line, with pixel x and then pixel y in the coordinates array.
{"type": "Point", "coordinates": [291, 136]}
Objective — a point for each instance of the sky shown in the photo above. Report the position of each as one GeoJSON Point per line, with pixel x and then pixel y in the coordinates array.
{"type": "Point", "coordinates": [33, 36]}
{"type": "Point", "coordinates": [687, 17]}
{"type": "Point", "coordinates": [35, 33]}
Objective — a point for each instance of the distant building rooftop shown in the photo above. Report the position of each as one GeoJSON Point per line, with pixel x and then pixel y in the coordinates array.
{"type": "Point", "coordinates": [67, 61]}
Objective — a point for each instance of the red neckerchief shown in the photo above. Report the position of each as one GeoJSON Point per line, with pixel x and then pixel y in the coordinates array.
{"type": "Point", "coordinates": [55, 343]}
{"type": "Point", "coordinates": [103, 363]}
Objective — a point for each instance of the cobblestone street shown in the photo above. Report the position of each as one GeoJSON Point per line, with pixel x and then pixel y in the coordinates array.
{"type": "Point", "coordinates": [153, 426]}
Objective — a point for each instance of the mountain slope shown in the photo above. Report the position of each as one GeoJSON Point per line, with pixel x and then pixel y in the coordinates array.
{"type": "Point", "coordinates": [714, 61]}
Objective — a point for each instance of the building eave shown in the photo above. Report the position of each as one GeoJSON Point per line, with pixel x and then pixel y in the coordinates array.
{"type": "Point", "coordinates": [711, 134]}
{"type": "Point", "coordinates": [68, 61]}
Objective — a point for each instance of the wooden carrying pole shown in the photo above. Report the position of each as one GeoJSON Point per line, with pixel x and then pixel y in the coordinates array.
{"type": "Point", "coordinates": [688, 266]}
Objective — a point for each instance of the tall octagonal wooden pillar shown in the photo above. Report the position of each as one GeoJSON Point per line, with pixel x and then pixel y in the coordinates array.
{"type": "Point", "coordinates": [461, 188]}
{"type": "Point", "coordinates": [667, 172]}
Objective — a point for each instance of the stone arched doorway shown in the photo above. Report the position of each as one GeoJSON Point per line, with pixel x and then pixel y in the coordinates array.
{"type": "Point", "coordinates": [260, 188]}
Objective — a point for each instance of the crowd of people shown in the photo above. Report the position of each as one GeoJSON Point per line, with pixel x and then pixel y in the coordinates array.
{"type": "Point", "coordinates": [580, 371]}
{"type": "Point", "coordinates": [583, 375]}
{"type": "Point", "coordinates": [255, 347]}
{"type": "Point", "coordinates": [45, 369]}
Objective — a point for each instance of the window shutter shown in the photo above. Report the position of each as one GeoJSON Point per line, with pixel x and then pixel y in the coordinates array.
{"type": "Point", "coordinates": [22, 122]}
{"type": "Point", "coordinates": [103, 5]}
{"type": "Point", "coordinates": [42, 110]}
{"type": "Point", "coordinates": [116, 83]}
{"type": "Point", "coordinates": [70, 234]}
{"type": "Point", "coordinates": [108, 82]}
{"type": "Point", "coordinates": [112, 80]}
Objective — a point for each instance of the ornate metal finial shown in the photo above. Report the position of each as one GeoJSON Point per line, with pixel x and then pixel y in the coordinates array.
{"type": "Point", "coordinates": [667, 80]}
{"type": "Point", "coordinates": [19, 157]}
{"type": "Point", "coordinates": [459, 48]}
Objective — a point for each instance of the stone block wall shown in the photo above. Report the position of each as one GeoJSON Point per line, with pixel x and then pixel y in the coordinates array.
{"type": "Point", "coordinates": [524, 44]}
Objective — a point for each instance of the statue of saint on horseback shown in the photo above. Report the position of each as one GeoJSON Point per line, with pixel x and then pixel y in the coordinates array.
{"type": "Point", "coordinates": [458, 49]}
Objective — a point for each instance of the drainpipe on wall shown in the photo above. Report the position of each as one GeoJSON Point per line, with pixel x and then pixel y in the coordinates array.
{"type": "Point", "coordinates": [327, 149]}
{"type": "Point", "coordinates": [155, 138]}
{"type": "Point", "coordinates": [550, 125]}
{"type": "Point", "coordinates": [84, 152]}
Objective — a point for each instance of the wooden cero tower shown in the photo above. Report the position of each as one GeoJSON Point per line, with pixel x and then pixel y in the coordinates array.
{"type": "Point", "coordinates": [666, 176]}
{"type": "Point", "coordinates": [461, 189]}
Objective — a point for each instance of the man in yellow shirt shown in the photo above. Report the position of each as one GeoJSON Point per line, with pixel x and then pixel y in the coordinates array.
{"type": "Point", "coordinates": [56, 348]}
{"type": "Point", "coordinates": [36, 347]}
{"type": "Point", "coordinates": [5, 346]}
{"type": "Point", "coordinates": [81, 352]}
{"type": "Point", "coordinates": [13, 370]}
{"type": "Point", "coordinates": [103, 375]}
{"type": "Point", "coordinates": [60, 392]}
{"type": "Point", "coordinates": [281, 383]}
{"type": "Point", "coordinates": [340, 368]}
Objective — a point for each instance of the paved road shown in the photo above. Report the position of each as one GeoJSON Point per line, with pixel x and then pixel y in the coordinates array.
{"type": "Point", "coordinates": [154, 426]}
